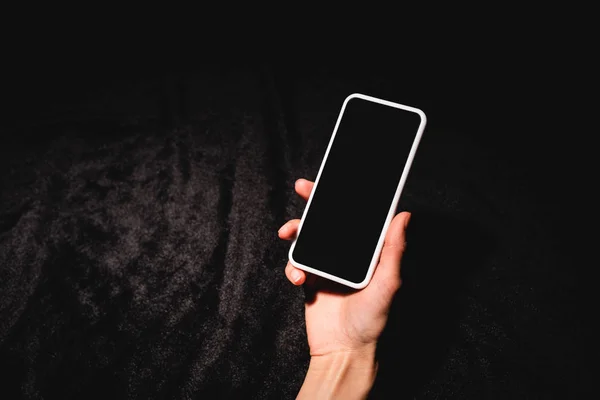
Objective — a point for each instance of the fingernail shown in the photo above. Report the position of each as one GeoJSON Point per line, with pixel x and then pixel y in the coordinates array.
{"type": "Point", "coordinates": [296, 275]}
{"type": "Point", "coordinates": [407, 220]}
{"type": "Point", "coordinates": [280, 229]}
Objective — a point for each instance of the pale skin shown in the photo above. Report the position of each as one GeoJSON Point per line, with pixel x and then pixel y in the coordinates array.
{"type": "Point", "coordinates": [343, 325]}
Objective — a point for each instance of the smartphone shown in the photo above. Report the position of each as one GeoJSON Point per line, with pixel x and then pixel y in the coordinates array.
{"type": "Point", "coordinates": [357, 189]}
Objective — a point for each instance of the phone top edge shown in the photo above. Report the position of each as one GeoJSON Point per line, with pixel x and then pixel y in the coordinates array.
{"type": "Point", "coordinates": [387, 103]}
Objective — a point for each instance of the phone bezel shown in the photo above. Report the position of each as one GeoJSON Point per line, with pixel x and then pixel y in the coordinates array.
{"type": "Point", "coordinates": [395, 200]}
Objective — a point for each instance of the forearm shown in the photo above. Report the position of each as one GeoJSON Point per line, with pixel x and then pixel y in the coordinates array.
{"type": "Point", "coordinates": [344, 375]}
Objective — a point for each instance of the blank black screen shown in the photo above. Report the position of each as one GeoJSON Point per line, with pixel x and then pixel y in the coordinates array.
{"type": "Point", "coordinates": [356, 189]}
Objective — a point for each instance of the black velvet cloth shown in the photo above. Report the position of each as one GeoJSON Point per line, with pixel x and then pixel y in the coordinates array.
{"type": "Point", "coordinates": [138, 249]}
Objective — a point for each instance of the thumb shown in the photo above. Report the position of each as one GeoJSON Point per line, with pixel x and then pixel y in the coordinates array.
{"type": "Point", "coordinates": [393, 247]}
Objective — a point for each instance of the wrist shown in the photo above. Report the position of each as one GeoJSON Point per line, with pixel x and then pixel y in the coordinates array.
{"type": "Point", "coordinates": [344, 374]}
{"type": "Point", "coordinates": [359, 357]}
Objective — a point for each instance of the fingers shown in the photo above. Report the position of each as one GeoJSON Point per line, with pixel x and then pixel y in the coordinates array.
{"type": "Point", "coordinates": [295, 275]}
{"type": "Point", "coordinates": [388, 270]}
{"type": "Point", "coordinates": [289, 229]}
{"type": "Point", "coordinates": [304, 187]}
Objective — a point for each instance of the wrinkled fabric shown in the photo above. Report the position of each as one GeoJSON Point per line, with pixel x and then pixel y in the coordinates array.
{"type": "Point", "coordinates": [139, 257]}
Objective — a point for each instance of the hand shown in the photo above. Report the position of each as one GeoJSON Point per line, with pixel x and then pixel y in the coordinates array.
{"type": "Point", "coordinates": [339, 319]}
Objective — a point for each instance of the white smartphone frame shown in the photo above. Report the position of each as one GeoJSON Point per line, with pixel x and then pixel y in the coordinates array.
{"type": "Point", "coordinates": [394, 205]}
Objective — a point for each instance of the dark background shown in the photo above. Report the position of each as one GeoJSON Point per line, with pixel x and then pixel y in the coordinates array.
{"type": "Point", "coordinates": [141, 191]}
